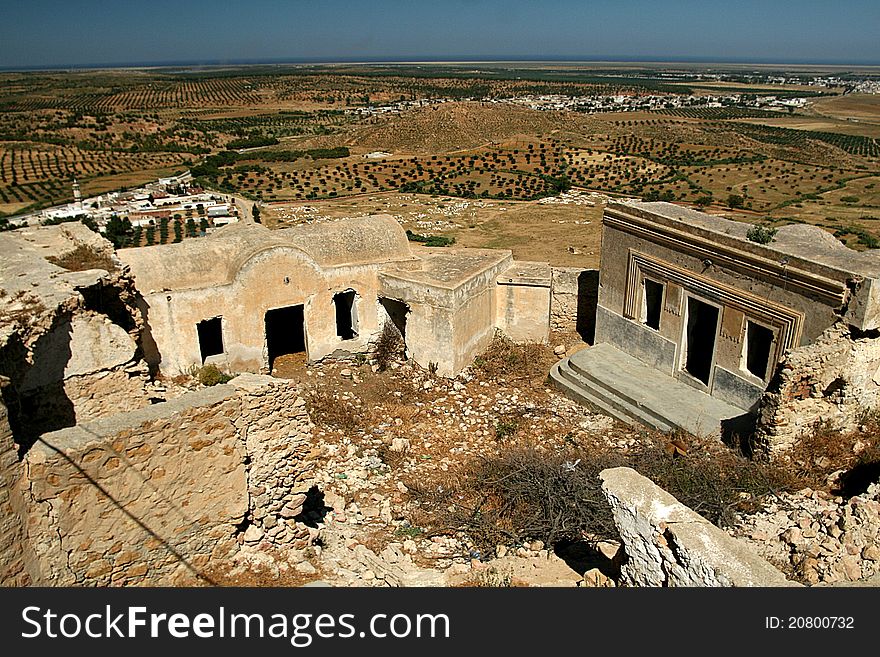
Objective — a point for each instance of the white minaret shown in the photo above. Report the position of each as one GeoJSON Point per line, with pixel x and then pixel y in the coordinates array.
{"type": "Point", "coordinates": [77, 195]}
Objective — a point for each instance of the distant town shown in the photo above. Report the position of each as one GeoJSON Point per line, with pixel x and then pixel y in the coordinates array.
{"type": "Point", "coordinates": [173, 201]}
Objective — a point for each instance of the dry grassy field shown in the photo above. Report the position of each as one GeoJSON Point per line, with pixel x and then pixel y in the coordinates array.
{"type": "Point", "coordinates": [861, 108]}
{"type": "Point", "coordinates": [565, 232]}
{"type": "Point", "coordinates": [482, 171]}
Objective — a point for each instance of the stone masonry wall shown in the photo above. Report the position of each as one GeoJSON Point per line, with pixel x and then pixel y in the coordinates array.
{"type": "Point", "coordinates": [275, 430]}
{"type": "Point", "coordinates": [573, 297]}
{"type": "Point", "coordinates": [156, 495]}
{"type": "Point", "coordinates": [834, 381]}
{"type": "Point", "coordinates": [13, 547]}
{"type": "Point", "coordinates": [112, 391]}
{"type": "Point", "coordinates": [668, 544]}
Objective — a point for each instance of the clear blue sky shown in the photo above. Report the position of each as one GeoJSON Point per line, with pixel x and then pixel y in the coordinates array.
{"type": "Point", "coordinates": [50, 32]}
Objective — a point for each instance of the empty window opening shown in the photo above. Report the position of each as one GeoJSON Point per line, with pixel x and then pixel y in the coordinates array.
{"type": "Point", "coordinates": [702, 324]}
{"type": "Point", "coordinates": [210, 337]}
{"type": "Point", "coordinates": [285, 332]}
{"type": "Point", "coordinates": [759, 341]}
{"type": "Point", "coordinates": [653, 302]}
{"type": "Point", "coordinates": [397, 312]}
{"type": "Point", "coordinates": [346, 315]}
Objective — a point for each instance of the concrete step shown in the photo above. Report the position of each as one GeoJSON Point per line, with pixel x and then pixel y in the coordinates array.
{"type": "Point", "coordinates": [640, 394]}
{"type": "Point", "coordinates": [583, 391]}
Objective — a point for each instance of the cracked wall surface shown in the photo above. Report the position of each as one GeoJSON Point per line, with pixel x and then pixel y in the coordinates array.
{"type": "Point", "coordinates": [14, 550]}
{"type": "Point", "coordinates": [668, 544]}
{"type": "Point", "coordinates": [70, 331]}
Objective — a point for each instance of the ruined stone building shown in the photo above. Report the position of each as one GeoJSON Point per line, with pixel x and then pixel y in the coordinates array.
{"type": "Point", "coordinates": [247, 294]}
{"type": "Point", "coordinates": [107, 479]}
{"type": "Point", "coordinates": [693, 319]}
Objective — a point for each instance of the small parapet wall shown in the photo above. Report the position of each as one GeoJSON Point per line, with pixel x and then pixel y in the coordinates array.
{"type": "Point", "coordinates": [668, 544]}
{"type": "Point", "coordinates": [158, 495]}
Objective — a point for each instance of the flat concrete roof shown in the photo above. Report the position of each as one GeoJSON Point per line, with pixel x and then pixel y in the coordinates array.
{"type": "Point", "coordinates": [535, 274]}
{"type": "Point", "coordinates": [802, 241]}
{"type": "Point", "coordinates": [449, 268]}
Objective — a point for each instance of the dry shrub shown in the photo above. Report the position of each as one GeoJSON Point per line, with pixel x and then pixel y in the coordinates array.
{"type": "Point", "coordinates": [525, 493]}
{"type": "Point", "coordinates": [507, 359]}
{"type": "Point", "coordinates": [711, 479]}
{"type": "Point", "coordinates": [83, 258]}
{"type": "Point", "coordinates": [210, 375]}
{"type": "Point", "coordinates": [389, 346]}
{"type": "Point", "coordinates": [330, 410]}
{"type": "Point", "coordinates": [818, 455]}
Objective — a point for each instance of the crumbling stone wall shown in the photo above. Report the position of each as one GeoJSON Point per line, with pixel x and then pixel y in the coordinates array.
{"type": "Point", "coordinates": [275, 429]}
{"type": "Point", "coordinates": [573, 297]}
{"type": "Point", "coordinates": [13, 546]}
{"type": "Point", "coordinates": [668, 544]}
{"type": "Point", "coordinates": [106, 393]}
{"type": "Point", "coordinates": [77, 360]}
{"type": "Point", "coordinates": [155, 495]}
{"type": "Point", "coordinates": [833, 381]}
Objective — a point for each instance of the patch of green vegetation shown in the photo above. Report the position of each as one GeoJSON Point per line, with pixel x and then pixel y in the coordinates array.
{"type": "Point", "coordinates": [210, 375]}
{"type": "Point", "coordinates": [761, 234]}
{"type": "Point", "coordinates": [506, 428]}
{"type": "Point", "coordinates": [430, 240]}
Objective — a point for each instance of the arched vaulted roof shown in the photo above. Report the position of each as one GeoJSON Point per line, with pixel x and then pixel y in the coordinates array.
{"type": "Point", "coordinates": [218, 258]}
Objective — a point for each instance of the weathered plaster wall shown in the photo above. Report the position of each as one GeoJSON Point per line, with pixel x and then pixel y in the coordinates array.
{"type": "Point", "coordinates": [833, 381]}
{"type": "Point", "coordinates": [668, 544]}
{"type": "Point", "coordinates": [523, 312]}
{"type": "Point", "coordinates": [450, 321]}
{"type": "Point", "coordinates": [275, 278]}
{"type": "Point", "coordinates": [155, 495]}
{"type": "Point", "coordinates": [523, 301]}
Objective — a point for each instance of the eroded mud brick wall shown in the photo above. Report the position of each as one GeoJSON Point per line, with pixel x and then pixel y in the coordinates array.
{"type": "Point", "coordinates": [161, 494]}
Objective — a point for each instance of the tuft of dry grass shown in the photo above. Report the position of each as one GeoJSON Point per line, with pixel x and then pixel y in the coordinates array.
{"type": "Point", "coordinates": [83, 258]}
{"type": "Point", "coordinates": [506, 359]}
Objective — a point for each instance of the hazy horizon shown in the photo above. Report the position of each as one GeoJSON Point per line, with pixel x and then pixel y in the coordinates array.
{"type": "Point", "coordinates": [49, 34]}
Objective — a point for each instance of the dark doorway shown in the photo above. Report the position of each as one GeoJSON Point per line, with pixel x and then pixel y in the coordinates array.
{"type": "Point", "coordinates": [702, 324]}
{"type": "Point", "coordinates": [285, 332]}
{"type": "Point", "coordinates": [653, 303]}
{"type": "Point", "coordinates": [587, 300]}
{"type": "Point", "coordinates": [397, 311]}
{"type": "Point", "coordinates": [346, 315]}
{"type": "Point", "coordinates": [759, 340]}
{"type": "Point", "coordinates": [210, 337]}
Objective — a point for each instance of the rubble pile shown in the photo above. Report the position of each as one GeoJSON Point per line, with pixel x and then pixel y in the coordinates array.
{"type": "Point", "coordinates": [823, 539]}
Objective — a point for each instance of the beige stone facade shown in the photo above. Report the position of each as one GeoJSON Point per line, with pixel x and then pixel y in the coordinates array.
{"type": "Point", "coordinates": [690, 295]}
